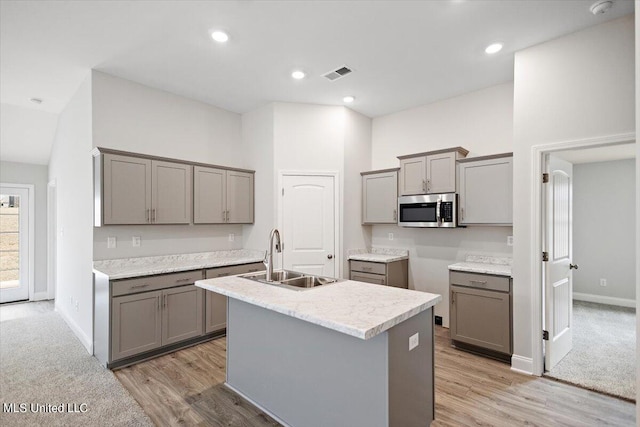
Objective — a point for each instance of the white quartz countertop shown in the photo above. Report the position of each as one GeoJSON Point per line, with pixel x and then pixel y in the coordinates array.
{"type": "Point", "coordinates": [146, 266]}
{"type": "Point", "coordinates": [484, 265]}
{"type": "Point", "coordinates": [382, 255]}
{"type": "Point", "coordinates": [362, 310]}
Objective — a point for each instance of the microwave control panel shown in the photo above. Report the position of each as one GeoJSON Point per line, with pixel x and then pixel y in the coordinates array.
{"type": "Point", "coordinates": [446, 211]}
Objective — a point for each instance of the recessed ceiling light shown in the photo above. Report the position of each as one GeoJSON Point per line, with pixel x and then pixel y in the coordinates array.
{"type": "Point", "coordinates": [220, 36]}
{"type": "Point", "coordinates": [297, 74]}
{"type": "Point", "coordinates": [349, 99]}
{"type": "Point", "coordinates": [36, 100]}
{"type": "Point", "coordinates": [493, 48]}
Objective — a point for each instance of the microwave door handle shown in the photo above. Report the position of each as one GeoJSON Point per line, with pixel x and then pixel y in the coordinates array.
{"type": "Point", "coordinates": [438, 204]}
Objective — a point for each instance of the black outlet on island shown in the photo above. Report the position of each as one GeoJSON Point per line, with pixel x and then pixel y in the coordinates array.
{"type": "Point", "coordinates": [438, 320]}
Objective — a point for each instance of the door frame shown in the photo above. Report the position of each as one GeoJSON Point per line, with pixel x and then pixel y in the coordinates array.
{"type": "Point", "coordinates": [538, 229]}
{"type": "Point", "coordinates": [31, 230]}
{"type": "Point", "coordinates": [337, 210]}
{"type": "Point", "coordinates": [52, 235]}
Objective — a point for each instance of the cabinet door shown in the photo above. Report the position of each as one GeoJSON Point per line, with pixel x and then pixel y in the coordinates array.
{"type": "Point", "coordinates": [380, 198]}
{"type": "Point", "coordinates": [171, 193]}
{"type": "Point", "coordinates": [413, 176]}
{"type": "Point", "coordinates": [441, 173]}
{"type": "Point", "coordinates": [481, 318]}
{"type": "Point", "coordinates": [368, 278]}
{"type": "Point", "coordinates": [239, 197]}
{"type": "Point", "coordinates": [182, 314]}
{"type": "Point", "coordinates": [127, 190]}
{"type": "Point", "coordinates": [486, 192]}
{"type": "Point", "coordinates": [209, 195]}
{"type": "Point", "coordinates": [135, 324]}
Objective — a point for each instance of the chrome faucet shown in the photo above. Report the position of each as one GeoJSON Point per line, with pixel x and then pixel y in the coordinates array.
{"type": "Point", "coordinates": [268, 255]}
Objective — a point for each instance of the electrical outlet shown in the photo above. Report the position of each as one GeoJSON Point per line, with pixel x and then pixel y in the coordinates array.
{"type": "Point", "coordinates": [111, 242]}
{"type": "Point", "coordinates": [232, 237]}
{"type": "Point", "coordinates": [76, 305]}
{"type": "Point", "coordinates": [135, 241]}
{"type": "Point", "coordinates": [438, 320]}
{"type": "Point", "coordinates": [509, 240]}
{"type": "Point", "coordinates": [603, 282]}
{"type": "Point", "coordinates": [390, 236]}
{"type": "Point", "coordinates": [414, 340]}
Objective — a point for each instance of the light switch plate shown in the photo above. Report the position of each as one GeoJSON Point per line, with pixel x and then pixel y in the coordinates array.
{"type": "Point", "coordinates": [232, 237]}
{"type": "Point", "coordinates": [390, 236]}
{"type": "Point", "coordinates": [414, 340]}
{"type": "Point", "coordinates": [111, 242]}
{"type": "Point", "coordinates": [509, 240]}
{"type": "Point", "coordinates": [135, 241]}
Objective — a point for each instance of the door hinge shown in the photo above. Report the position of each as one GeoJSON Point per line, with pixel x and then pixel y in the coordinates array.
{"type": "Point", "coordinates": [545, 335]}
{"type": "Point", "coordinates": [545, 178]}
{"type": "Point", "coordinates": [545, 256]}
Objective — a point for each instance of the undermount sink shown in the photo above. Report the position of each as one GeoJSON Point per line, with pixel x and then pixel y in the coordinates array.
{"type": "Point", "coordinates": [291, 279]}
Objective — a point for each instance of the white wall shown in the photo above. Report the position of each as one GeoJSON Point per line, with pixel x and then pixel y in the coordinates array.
{"type": "Point", "coordinates": [257, 150]}
{"type": "Point", "coordinates": [132, 117]}
{"type": "Point", "coordinates": [479, 121]}
{"type": "Point", "coordinates": [37, 175]}
{"type": "Point", "coordinates": [357, 158]}
{"type": "Point", "coordinates": [577, 86]}
{"type": "Point", "coordinates": [604, 243]}
{"type": "Point", "coordinates": [70, 166]}
{"type": "Point", "coordinates": [637, 105]}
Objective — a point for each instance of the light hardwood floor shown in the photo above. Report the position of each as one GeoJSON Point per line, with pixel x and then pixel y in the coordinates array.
{"type": "Point", "coordinates": [186, 388]}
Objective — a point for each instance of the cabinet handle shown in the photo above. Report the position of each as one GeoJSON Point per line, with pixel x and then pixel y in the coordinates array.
{"type": "Point", "coordinates": [153, 215]}
{"type": "Point", "coordinates": [139, 286]}
{"type": "Point", "coordinates": [148, 215]}
{"type": "Point", "coordinates": [186, 279]}
{"type": "Point", "coordinates": [227, 216]}
{"type": "Point", "coordinates": [428, 185]}
{"type": "Point", "coordinates": [222, 274]}
{"type": "Point", "coordinates": [453, 297]}
{"type": "Point", "coordinates": [462, 214]}
{"type": "Point", "coordinates": [424, 185]}
{"type": "Point", "coordinates": [366, 268]}
{"type": "Point", "coordinates": [395, 214]}
{"type": "Point", "coordinates": [479, 282]}
{"type": "Point", "coordinates": [164, 301]}
{"type": "Point", "coordinates": [158, 303]}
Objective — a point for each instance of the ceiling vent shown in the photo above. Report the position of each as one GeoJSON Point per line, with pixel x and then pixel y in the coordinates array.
{"type": "Point", "coordinates": [338, 73]}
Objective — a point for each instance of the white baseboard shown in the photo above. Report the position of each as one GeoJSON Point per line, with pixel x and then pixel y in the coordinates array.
{"type": "Point", "coordinates": [40, 296]}
{"type": "Point", "coordinates": [523, 365]}
{"type": "Point", "coordinates": [84, 339]}
{"type": "Point", "coordinates": [600, 299]}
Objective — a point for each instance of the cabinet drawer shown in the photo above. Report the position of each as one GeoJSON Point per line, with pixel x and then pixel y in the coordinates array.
{"type": "Point", "coordinates": [377, 279]}
{"type": "Point", "coordinates": [368, 267]}
{"type": "Point", "coordinates": [153, 283]}
{"type": "Point", "coordinates": [231, 270]}
{"type": "Point", "coordinates": [480, 281]}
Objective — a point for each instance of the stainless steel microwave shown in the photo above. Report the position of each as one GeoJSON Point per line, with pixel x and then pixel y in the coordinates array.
{"type": "Point", "coordinates": [428, 210]}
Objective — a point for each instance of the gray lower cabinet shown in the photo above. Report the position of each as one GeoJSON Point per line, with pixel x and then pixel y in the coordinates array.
{"type": "Point", "coordinates": [137, 324]}
{"type": "Point", "coordinates": [480, 310]}
{"type": "Point", "coordinates": [394, 273]}
{"type": "Point", "coordinates": [216, 304]}
{"type": "Point", "coordinates": [181, 314]}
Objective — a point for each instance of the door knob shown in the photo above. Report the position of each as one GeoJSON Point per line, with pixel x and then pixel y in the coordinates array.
{"type": "Point", "coordinates": [330, 256]}
{"type": "Point", "coordinates": [573, 266]}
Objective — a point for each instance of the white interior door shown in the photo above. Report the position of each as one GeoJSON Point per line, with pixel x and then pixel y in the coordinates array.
{"type": "Point", "coordinates": [14, 244]}
{"type": "Point", "coordinates": [309, 224]}
{"type": "Point", "coordinates": [558, 286]}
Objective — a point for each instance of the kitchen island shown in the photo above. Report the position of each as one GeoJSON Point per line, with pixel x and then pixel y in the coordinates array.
{"type": "Point", "coordinates": [346, 353]}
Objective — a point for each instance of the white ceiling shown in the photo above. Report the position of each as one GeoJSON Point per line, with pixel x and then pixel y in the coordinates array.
{"type": "Point", "coordinates": [404, 53]}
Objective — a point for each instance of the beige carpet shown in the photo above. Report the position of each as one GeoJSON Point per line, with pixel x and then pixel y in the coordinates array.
{"type": "Point", "coordinates": [42, 363]}
{"type": "Point", "coordinates": [603, 357]}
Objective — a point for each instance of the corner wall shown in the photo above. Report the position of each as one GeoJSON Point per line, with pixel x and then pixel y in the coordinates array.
{"type": "Point", "coordinates": [70, 166]}
{"type": "Point", "coordinates": [478, 121]}
{"type": "Point", "coordinates": [37, 175]}
{"type": "Point", "coordinates": [575, 87]}
{"type": "Point", "coordinates": [637, 123]}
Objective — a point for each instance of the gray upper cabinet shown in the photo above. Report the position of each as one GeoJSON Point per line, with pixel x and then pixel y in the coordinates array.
{"type": "Point", "coordinates": [222, 196]}
{"type": "Point", "coordinates": [127, 190]}
{"type": "Point", "coordinates": [486, 190]}
{"type": "Point", "coordinates": [431, 172]}
{"type": "Point", "coordinates": [144, 191]}
{"type": "Point", "coordinates": [171, 193]}
{"type": "Point", "coordinates": [380, 196]}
